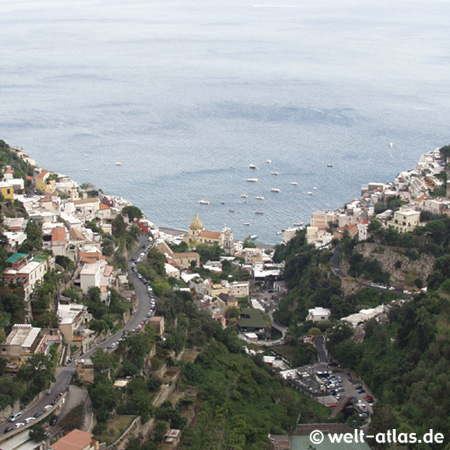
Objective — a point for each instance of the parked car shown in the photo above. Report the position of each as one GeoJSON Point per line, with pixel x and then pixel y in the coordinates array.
{"type": "Point", "coordinates": [47, 407]}
{"type": "Point", "coordinates": [15, 416]}
{"type": "Point", "coordinates": [8, 429]}
{"type": "Point", "coordinates": [38, 414]}
{"type": "Point", "coordinates": [53, 420]}
{"type": "Point", "coordinates": [30, 419]}
{"type": "Point", "coordinates": [19, 424]}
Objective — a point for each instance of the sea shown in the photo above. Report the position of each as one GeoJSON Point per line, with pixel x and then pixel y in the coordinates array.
{"type": "Point", "coordinates": [186, 95]}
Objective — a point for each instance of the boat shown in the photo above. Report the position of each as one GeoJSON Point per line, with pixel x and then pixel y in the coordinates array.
{"type": "Point", "coordinates": [231, 210]}
{"type": "Point", "coordinates": [329, 165]}
{"type": "Point", "coordinates": [86, 155]}
{"type": "Point", "coordinates": [294, 183]}
{"type": "Point", "coordinates": [260, 197]}
{"type": "Point", "coordinates": [310, 193]}
{"type": "Point", "coordinates": [204, 202]}
{"type": "Point", "coordinates": [253, 236]}
{"type": "Point", "coordinates": [246, 224]}
{"type": "Point", "coordinates": [278, 232]}
{"type": "Point", "coordinates": [252, 166]}
{"type": "Point", "coordinates": [252, 180]}
{"type": "Point", "coordinates": [315, 188]}
{"type": "Point", "coordinates": [274, 173]}
{"type": "Point", "coordinates": [118, 163]}
{"type": "Point", "coordinates": [244, 195]}
{"type": "Point", "coordinates": [268, 161]}
{"type": "Point", "coordinates": [275, 190]}
{"type": "Point", "coordinates": [222, 203]}
{"type": "Point", "coordinates": [391, 144]}
{"type": "Point", "coordinates": [259, 212]}
{"type": "Point", "coordinates": [298, 224]}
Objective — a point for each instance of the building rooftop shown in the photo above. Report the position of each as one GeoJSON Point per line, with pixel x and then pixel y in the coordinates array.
{"type": "Point", "coordinates": [68, 313]}
{"type": "Point", "coordinates": [75, 440]}
{"type": "Point", "coordinates": [22, 335]}
{"type": "Point", "coordinates": [16, 257]}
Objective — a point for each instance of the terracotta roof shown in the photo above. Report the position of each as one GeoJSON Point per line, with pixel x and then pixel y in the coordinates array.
{"type": "Point", "coordinates": [164, 248]}
{"type": "Point", "coordinates": [59, 234]}
{"type": "Point", "coordinates": [103, 206]}
{"type": "Point", "coordinates": [75, 440]}
{"type": "Point", "coordinates": [88, 260]}
{"type": "Point", "coordinates": [42, 174]}
{"type": "Point", "coordinates": [84, 201]}
{"type": "Point", "coordinates": [186, 255]}
{"type": "Point", "coordinates": [210, 234]}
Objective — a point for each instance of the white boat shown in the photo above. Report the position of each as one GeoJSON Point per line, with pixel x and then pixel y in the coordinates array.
{"type": "Point", "coordinates": [252, 166]}
{"type": "Point", "coordinates": [118, 163]}
{"type": "Point", "coordinates": [278, 232]}
{"type": "Point", "coordinates": [253, 236]}
{"type": "Point", "coordinates": [298, 224]}
{"type": "Point", "coordinates": [204, 202]}
{"type": "Point", "coordinates": [252, 180]}
{"type": "Point", "coordinates": [310, 193]}
{"type": "Point", "coordinates": [260, 197]}
{"type": "Point", "coordinates": [391, 144]}
{"type": "Point", "coordinates": [86, 155]}
{"type": "Point", "coordinates": [259, 212]}
{"type": "Point", "coordinates": [268, 161]}
{"type": "Point", "coordinates": [244, 195]}
{"type": "Point", "coordinates": [273, 173]}
{"type": "Point", "coordinates": [315, 188]}
{"type": "Point", "coordinates": [294, 183]}
{"type": "Point", "coordinates": [247, 224]}
{"type": "Point", "coordinates": [275, 190]}
{"type": "Point", "coordinates": [329, 165]}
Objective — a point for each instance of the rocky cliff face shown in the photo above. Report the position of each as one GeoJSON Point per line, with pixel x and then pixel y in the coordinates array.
{"type": "Point", "coordinates": [403, 265]}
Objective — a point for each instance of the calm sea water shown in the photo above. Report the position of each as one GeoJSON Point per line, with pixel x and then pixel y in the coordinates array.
{"type": "Point", "coordinates": [187, 94]}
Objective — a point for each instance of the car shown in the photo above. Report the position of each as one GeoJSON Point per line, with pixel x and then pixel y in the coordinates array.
{"type": "Point", "coordinates": [38, 414]}
{"type": "Point", "coordinates": [361, 391]}
{"type": "Point", "coordinates": [333, 392]}
{"type": "Point", "coordinates": [148, 314]}
{"type": "Point", "coordinates": [8, 429]}
{"type": "Point", "coordinates": [19, 424]}
{"type": "Point", "coordinates": [30, 419]}
{"type": "Point", "coordinates": [47, 407]}
{"type": "Point", "coordinates": [113, 344]}
{"type": "Point", "coordinates": [364, 415]}
{"type": "Point", "coordinates": [15, 416]}
{"type": "Point", "coordinates": [358, 387]}
{"type": "Point", "coordinates": [53, 420]}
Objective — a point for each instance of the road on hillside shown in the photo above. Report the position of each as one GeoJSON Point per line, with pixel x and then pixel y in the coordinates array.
{"type": "Point", "coordinates": [64, 374]}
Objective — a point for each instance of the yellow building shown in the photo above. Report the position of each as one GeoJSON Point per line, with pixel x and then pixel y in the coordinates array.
{"type": "Point", "coordinates": [198, 235]}
{"type": "Point", "coordinates": [7, 190]}
{"type": "Point", "coordinates": [44, 183]}
{"type": "Point", "coordinates": [405, 221]}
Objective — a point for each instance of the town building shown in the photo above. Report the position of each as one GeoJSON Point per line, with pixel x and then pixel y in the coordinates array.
{"type": "Point", "coordinates": [318, 314]}
{"type": "Point", "coordinates": [7, 190]}
{"type": "Point", "coordinates": [157, 322]}
{"type": "Point", "coordinates": [405, 220]}
{"type": "Point", "coordinates": [45, 182]}
{"type": "Point", "coordinates": [73, 324]}
{"type": "Point", "coordinates": [76, 440]}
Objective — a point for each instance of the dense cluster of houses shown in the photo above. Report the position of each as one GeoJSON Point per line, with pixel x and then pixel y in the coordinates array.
{"type": "Point", "coordinates": [216, 298]}
{"type": "Point", "coordinates": [61, 209]}
{"type": "Point", "coordinates": [414, 187]}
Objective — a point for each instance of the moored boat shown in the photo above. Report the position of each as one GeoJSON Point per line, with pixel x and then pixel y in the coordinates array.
{"type": "Point", "coordinates": [252, 180]}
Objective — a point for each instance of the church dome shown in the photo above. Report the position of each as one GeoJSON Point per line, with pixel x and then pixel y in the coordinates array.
{"type": "Point", "coordinates": [196, 224]}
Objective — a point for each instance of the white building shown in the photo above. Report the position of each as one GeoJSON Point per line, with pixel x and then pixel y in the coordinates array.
{"type": "Point", "coordinates": [318, 314]}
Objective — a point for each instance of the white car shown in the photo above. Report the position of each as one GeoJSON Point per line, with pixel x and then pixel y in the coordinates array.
{"type": "Point", "coordinates": [48, 407]}
{"type": "Point", "coordinates": [19, 424]}
{"type": "Point", "coordinates": [30, 419]}
{"type": "Point", "coordinates": [15, 416]}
